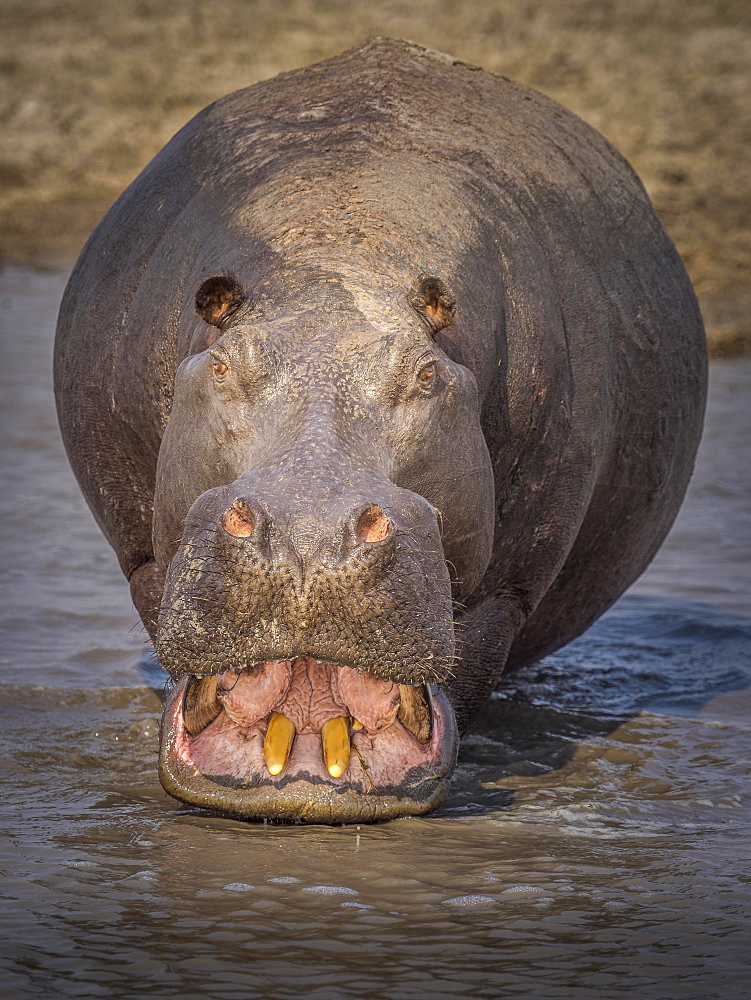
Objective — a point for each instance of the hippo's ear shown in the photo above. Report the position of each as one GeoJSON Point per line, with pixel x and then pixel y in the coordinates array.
{"type": "Point", "coordinates": [218, 298]}
{"type": "Point", "coordinates": [434, 302]}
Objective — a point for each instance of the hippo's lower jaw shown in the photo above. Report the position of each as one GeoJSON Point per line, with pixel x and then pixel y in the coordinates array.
{"type": "Point", "coordinates": [307, 741]}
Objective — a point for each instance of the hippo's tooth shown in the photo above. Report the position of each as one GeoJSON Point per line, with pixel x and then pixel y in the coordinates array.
{"type": "Point", "coordinates": [336, 746]}
{"type": "Point", "coordinates": [200, 705]}
{"type": "Point", "coordinates": [357, 725]}
{"type": "Point", "coordinates": [414, 712]}
{"type": "Point", "coordinates": [280, 735]}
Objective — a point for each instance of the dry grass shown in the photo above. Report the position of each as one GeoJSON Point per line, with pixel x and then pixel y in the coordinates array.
{"type": "Point", "coordinates": [92, 90]}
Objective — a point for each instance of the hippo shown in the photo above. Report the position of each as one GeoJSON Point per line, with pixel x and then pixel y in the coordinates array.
{"type": "Point", "coordinates": [381, 378]}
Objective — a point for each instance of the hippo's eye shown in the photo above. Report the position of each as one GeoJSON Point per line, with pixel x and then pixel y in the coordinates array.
{"type": "Point", "coordinates": [426, 376]}
{"type": "Point", "coordinates": [219, 367]}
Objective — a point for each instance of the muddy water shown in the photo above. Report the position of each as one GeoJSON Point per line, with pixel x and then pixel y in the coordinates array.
{"type": "Point", "coordinates": [596, 842]}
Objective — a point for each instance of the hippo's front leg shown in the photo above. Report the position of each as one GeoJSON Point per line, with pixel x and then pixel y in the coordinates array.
{"type": "Point", "coordinates": [484, 637]}
{"type": "Point", "coordinates": [146, 589]}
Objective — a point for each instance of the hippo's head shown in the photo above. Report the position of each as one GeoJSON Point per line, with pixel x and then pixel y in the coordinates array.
{"type": "Point", "coordinates": [323, 486]}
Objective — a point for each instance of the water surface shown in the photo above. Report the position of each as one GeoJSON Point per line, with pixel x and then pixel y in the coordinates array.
{"type": "Point", "coordinates": [595, 844]}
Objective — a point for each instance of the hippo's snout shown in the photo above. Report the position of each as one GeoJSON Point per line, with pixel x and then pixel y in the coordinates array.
{"type": "Point", "coordinates": [270, 575]}
{"type": "Point", "coordinates": [308, 635]}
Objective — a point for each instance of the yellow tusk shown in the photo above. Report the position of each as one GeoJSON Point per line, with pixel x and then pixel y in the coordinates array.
{"type": "Point", "coordinates": [280, 735]}
{"type": "Point", "coordinates": [200, 705]}
{"type": "Point", "coordinates": [335, 743]}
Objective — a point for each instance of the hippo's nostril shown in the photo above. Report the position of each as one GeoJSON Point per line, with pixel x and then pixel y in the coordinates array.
{"type": "Point", "coordinates": [239, 520]}
{"type": "Point", "coordinates": [373, 525]}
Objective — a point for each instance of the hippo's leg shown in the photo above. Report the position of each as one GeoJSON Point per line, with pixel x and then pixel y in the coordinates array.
{"type": "Point", "coordinates": [484, 638]}
{"type": "Point", "coordinates": [146, 589]}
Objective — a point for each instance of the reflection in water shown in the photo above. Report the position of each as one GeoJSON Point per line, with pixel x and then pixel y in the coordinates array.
{"type": "Point", "coordinates": [595, 843]}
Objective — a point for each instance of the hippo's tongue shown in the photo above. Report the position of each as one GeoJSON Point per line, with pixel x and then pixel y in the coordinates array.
{"type": "Point", "coordinates": [300, 698]}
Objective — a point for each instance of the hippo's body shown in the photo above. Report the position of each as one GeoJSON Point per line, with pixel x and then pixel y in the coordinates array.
{"type": "Point", "coordinates": [388, 367]}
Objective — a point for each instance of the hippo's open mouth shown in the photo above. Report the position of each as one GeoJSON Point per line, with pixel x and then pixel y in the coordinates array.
{"type": "Point", "coordinates": [305, 740]}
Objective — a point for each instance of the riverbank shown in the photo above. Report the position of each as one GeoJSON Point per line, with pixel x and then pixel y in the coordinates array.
{"type": "Point", "coordinates": [92, 92]}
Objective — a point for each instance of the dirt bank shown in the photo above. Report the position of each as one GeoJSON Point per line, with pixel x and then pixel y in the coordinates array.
{"type": "Point", "coordinates": [91, 91]}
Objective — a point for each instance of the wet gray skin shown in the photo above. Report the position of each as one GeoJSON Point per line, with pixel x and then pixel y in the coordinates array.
{"type": "Point", "coordinates": [374, 398]}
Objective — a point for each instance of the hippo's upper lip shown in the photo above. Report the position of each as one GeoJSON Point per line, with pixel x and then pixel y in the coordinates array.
{"type": "Point", "coordinates": [306, 740]}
